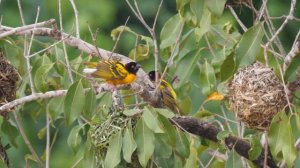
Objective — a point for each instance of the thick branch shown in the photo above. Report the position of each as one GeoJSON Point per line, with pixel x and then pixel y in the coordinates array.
{"type": "Point", "coordinates": [209, 131]}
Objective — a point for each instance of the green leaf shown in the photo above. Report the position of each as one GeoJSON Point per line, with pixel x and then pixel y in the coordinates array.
{"type": "Point", "coordinates": [11, 131]}
{"type": "Point", "coordinates": [56, 107]}
{"type": "Point", "coordinates": [281, 140]}
{"type": "Point", "coordinates": [292, 68]}
{"type": "Point", "coordinates": [233, 161]}
{"type": "Point", "coordinates": [182, 144]}
{"type": "Point", "coordinates": [192, 160]}
{"type": "Point", "coordinates": [1, 121]}
{"type": "Point", "coordinates": [197, 10]}
{"type": "Point", "coordinates": [129, 145]}
{"type": "Point", "coordinates": [162, 149]}
{"type": "Point", "coordinates": [74, 102]}
{"type": "Point", "coordinates": [204, 25]}
{"type": "Point", "coordinates": [170, 31]}
{"type": "Point", "coordinates": [40, 75]}
{"type": "Point", "coordinates": [130, 112]}
{"type": "Point", "coordinates": [222, 135]}
{"type": "Point", "coordinates": [144, 139]}
{"type": "Point", "coordinates": [113, 155]}
{"type": "Point", "coordinates": [216, 6]}
{"type": "Point", "coordinates": [256, 148]}
{"type": "Point", "coordinates": [170, 132]}
{"type": "Point", "coordinates": [228, 67]}
{"type": "Point", "coordinates": [74, 139]}
{"type": "Point", "coordinates": [140, 52]}
{"type": "Point", "coordinates": [207, 77]}
{"type": "Point", "coordinates": [249, 46]}
{"type": "Point", "coordinates": [186, 105]}
{"type": "Point", "coordinates": [41, 133]}
{"type": "Point", "coordinates": [90, 104]}
{"type": "Point", "coordinates": [220, 36]}
{"type": "Point", "coordinates": [186, 66]}
{"type": "Point", "coordinates": [150, 118]}
{"type": "Point", "coordinates": [181, 3]}
{"type": "Point", "coordinates": [89, 158]}
{"type": "Point", "coordinates": [165, 112]}
{"type": "Point", "coordinates": [116, 32]}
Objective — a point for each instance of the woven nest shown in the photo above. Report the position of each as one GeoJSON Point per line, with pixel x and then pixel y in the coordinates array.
{"type": "Point", "coordinates": [8, 80]}
{"type": "Point", "coordinates": [256, 95]}
{"type": "Point", "coordinates": [101, 134]}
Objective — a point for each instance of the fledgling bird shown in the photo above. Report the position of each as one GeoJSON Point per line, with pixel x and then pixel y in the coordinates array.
{"type": "Point", "coordinates": [113, 71]}
{"type": "Point", "coordinates": [168, 94]}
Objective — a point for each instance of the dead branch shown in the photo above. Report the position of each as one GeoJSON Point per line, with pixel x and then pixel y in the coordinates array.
{"type": "Point", "coordinates": [209, 131]}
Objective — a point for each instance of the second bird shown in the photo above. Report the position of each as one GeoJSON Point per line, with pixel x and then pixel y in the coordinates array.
{"type": "Point", "coordinates": [168, 94]}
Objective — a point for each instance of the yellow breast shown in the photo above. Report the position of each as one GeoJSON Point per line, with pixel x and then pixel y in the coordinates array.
{"type": "Point", "coordinates": [127, 80]}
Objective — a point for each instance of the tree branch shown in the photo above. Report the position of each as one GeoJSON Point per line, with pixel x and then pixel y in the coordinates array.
{"type": "Point", "coordinates": [143, 85]}
{"type": "Point", "coordinates": [17, 30]}
{"type": "Point", "coordinates": [209, 131]}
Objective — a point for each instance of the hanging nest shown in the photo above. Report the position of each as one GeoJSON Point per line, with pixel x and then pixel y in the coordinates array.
{"type": "Point", "coordinates": [101, 134]}
{"type": "Point", "coordinates": [256, 95]}
{"type": "Point", "coordinates": [8, 80]}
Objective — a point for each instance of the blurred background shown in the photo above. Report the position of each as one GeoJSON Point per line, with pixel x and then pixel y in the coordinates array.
{"type": "Point", "coordinates": [105, 15]}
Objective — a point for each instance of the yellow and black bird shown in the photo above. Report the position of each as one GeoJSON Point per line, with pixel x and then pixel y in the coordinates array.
{"type": "Point", "coordinates": [168, 94]}
{"type": "Point", "coordinates": [113, 71]}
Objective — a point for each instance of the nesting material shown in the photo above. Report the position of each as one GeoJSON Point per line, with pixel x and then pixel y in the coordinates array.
{"type": "Point", "coordinates": [256, 95]}
{"type": "Point", "coordinates": [101, 133]}
{"type": "Point", "coordinates": [8, 80]}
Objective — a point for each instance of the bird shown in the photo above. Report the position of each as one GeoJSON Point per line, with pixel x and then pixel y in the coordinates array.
{"type": "Point", "coordinates": [113, 71]}
{"type": "Point", "coordinates": [168, 94]}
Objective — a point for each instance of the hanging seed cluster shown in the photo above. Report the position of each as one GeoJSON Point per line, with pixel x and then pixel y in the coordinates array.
{"type": "Point", "coordinates": [8, 80]}
{"type": "Point", "coordinates": [256, 95]}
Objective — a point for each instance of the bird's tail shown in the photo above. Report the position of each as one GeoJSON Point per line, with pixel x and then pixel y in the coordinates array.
{"type": "Point", "coordinates": [92, 67]}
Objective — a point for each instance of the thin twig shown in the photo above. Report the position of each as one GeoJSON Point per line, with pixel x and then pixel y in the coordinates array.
{"type": "Point", "coordinates": [27, 27]}
{"type": "Point", "coordinates": [288, 18]}
{"type": "Point", "coordinates": [77, 162]}
{"type": "Point", "coordinates": [138, 14]}
{"type": "Point", "coordinates": [76, 18]}
{"type": "Point", "coordinates": [27, 142]}
{"type": "Point", "coordinates": [118, 38]}
{"type": "Point", "coordinates": [49, 47]}
{"type": "Point", "coordinates": [237, 19]}
{"type": "Point", "coordinates": [64, 46]}
{"type": "Point", "coordinates": [32, 97]}
{"type": "Point", "coordinates": [271, 28]}
{"type": "Point", "coordinates": [28, 52]}
{"type": "Point", "coordinates": [293, 52]}
{"type": "Point", "coordinates": [262, 9]}
{"type": "Point", "coordinates": [21, 13]}
{"type": "Point", "coordinates": [94, 38]}
{"type": "Point", "coordinates": [171, 58]}
{"type": "Point", "coordinates": [212, 158]}
{"type": "Point", "coordinates": [157, 13]}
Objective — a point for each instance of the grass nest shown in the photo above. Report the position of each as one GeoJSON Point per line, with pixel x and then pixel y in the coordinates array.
{"type": "Point", "coordinates": [8, 82]}
{"type": "Point", "coordinates": [256, 95]}
{"type": "Point", "coordinates": [101, 134]}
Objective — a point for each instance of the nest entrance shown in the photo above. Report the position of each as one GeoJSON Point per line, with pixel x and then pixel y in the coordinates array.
{"type": "Point", "coordinates": [256, 95]}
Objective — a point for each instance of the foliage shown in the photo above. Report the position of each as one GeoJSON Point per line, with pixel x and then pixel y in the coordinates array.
{"type": "Point", "coordinates": [200, 44]}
